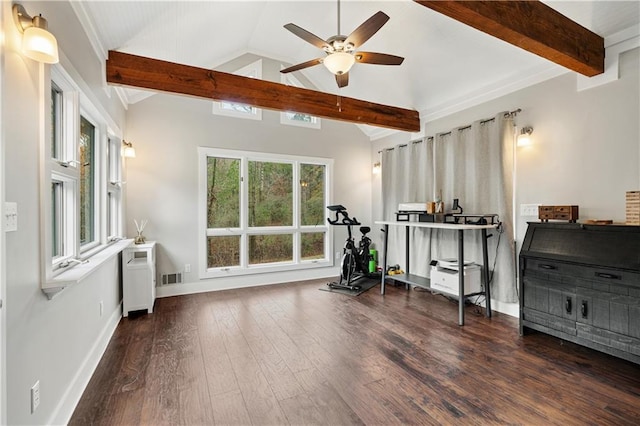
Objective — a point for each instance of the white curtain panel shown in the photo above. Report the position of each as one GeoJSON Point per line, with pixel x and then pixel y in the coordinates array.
{"type": "Point", "coordinates": [473, 164]}
{"type": "Point", "coordinates": [407, 177]}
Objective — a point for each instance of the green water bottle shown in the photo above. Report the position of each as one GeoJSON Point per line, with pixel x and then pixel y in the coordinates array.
{"type": "Point", "coordinates": [373, 260]}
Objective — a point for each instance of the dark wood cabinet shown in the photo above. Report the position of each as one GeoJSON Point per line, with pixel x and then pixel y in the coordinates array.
{"type": "Point", "coordinates": [582, 283]}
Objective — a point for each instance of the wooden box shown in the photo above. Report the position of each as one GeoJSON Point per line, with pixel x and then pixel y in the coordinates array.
{"type": "Point", "coordinates": [569, 213]}
{"type": "Point", "coordinates": [633, 208]}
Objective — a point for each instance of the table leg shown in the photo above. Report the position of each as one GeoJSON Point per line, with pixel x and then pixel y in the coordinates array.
{"type": "Point", "coordinates": [406, 251]}
{"type": "Point", "coordinates": [461, 298]}
{"type": "Point", "coordinates": [385, 245]}
{"type": "Point", "coordinates": [485, 268]}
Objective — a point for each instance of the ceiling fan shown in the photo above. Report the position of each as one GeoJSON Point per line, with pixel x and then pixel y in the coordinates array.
{"type": "Point", "coordinates": [341, 50]}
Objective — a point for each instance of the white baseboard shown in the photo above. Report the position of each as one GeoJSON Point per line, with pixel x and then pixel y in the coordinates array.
{"type": "Point", "coordinates": [217, 284]}
{"type": "Point", "coordinates": [512, 309]}
{"type": "Point", "coordinates": [69, 400]}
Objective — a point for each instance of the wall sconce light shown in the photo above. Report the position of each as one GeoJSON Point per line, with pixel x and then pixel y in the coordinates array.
{"type": "Point", "coordinates": [128, 151]}
{"type": "Point", "coordinates": [524, 138]}
{"type": "Point", "coordinates": [376, 168]}
{"type": "Point", "coordinates": [37, 42]}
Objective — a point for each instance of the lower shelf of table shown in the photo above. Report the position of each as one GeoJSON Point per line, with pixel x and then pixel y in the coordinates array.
{"type": "Point", "coordinates": [424, 282]}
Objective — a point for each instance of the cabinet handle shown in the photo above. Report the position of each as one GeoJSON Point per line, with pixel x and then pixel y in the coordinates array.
{"type": "Point", "coordinates": [545, 266]}
{"type": "Point", "coordinates": [609, 276]}
{"type": "Point", "coordinates": [583, 309]}
{"type": "Point", "coordinates": [567, 305]}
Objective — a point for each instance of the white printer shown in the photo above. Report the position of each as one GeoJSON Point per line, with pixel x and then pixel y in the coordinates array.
{"type": "Point", "coordinates": [444, 276]}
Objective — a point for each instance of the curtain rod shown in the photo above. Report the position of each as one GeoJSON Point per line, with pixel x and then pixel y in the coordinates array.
{"type": "Point", "coordinates": [508, 114]}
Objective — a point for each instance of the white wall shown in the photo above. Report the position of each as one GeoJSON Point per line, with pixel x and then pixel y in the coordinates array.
{"type": "Point", "coordinates": [54, 341]}
{"type": "Point", "coordinates": [586, 144]}
{"type": "Point", "coordinates": [162, 181]}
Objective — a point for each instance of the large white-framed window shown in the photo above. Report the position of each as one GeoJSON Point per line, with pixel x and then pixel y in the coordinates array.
{"type": "Point", "coordinates": [261, 212]}
{"type": "Point", "coordinates": [233, 109]}
{"type": "Point", "coordinates": [291, 118]}
{"type": "Point", "coordinates": [80, 208]}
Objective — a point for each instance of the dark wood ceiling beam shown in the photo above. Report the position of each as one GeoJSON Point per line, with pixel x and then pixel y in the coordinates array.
{"type": "Point", "coordinates": [147, 73]}
{"type": "Point", "coordinates": [534, 27]}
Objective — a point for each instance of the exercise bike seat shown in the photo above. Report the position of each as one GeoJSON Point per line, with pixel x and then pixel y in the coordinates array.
{"type": "Point", "coordinates": [365, 230]}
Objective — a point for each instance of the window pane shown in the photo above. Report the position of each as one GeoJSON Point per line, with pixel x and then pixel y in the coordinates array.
{"type": "Point", "coordinates": [298, 116]}
{"type": "Point", "coordinates": [223, 192]}
{"type": "Point", "coordinates": [270, 248]}
{"type": "Point", "coordinates": [244, 109]}
{"type": "Point", "coordinates": [312, 245]}
{"type": "Point", "coordinates": [270, 194]}
{"type": "Point", "coordinates": [223, 251]}
{"type": "Point", "coordinates": [56, 121]}
{"type": "Point", "coordinates": [56, 219]}
{"type": "Point", "coordinates": [87, 187]}
{"type": "Point", "coordinates": [312, 194]}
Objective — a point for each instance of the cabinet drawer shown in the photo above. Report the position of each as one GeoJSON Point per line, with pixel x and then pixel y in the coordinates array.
{"type": "Point", "coordinates": [545, 209]}
{"type": "Point", "coordinates": [562, 209]}
{"type": "Point", "coordinates": [605, 279]}
{"type": "Point", "coordinates": [613, 280]}
{"type": "Point", "coordinates": [545, 266]}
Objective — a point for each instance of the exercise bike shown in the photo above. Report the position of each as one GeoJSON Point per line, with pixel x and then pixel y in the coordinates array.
{"type": "Point", "coordinates": [355, 259]}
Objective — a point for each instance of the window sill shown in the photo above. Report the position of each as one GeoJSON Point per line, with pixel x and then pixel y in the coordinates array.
{"type": "Point", "coordinates": [79, 272]}
{"type": "Point", "coordinates": [263, 269]}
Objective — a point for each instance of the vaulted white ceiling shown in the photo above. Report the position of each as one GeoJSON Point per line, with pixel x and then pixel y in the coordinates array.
{"type": "Point", "coordinates": [446, 62]}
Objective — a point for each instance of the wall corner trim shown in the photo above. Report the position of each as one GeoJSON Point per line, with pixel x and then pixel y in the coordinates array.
{"type": "Point", "coordinates": [615, 45]}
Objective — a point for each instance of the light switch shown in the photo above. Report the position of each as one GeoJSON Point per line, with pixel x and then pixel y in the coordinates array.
{"type": "Point", "coordinates": [10, 217]}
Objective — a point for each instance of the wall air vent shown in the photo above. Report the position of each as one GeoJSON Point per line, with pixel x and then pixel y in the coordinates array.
{"type": "Point", "coordinates": [172, 278]}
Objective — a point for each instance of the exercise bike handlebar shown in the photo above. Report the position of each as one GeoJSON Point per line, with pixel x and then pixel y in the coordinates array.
{"type": "Point", "coordinates": [346, 220]}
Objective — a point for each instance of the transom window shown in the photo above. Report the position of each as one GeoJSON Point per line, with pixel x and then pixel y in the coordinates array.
{"type": "Point", "coordinates": [262, 212]}
{"type": "Point", "coordinates": [297, 118]}
{"type": "Point", "coordinates": [232, 109]}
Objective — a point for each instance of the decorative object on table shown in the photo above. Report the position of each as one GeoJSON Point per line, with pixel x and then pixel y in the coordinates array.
{"type": "Point", "coordinates": [633, 208]}
{"type": "Point", "coordinates": [139, 227]}
{"type": "Point", "coordinates": [598, 222]}
{"type": "Point", "coordinates": [569, 213]}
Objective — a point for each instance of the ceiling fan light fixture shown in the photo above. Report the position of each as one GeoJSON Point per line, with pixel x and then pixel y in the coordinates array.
{"type": "Point", "coordinates": [339, 62]}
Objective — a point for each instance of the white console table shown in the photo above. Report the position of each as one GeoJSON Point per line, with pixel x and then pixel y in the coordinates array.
{"type": "Point", "coordinates": [424, 282]}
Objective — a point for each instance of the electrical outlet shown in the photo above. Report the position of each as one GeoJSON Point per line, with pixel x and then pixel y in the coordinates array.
{"type": "Point", "coordinates": [187, 267]}
{"type": "Point", "coordinates": [529, 209]}
{"type": "Point", "coordinates": [338, 255]}
{"type": "Point", "coordinates": [35, 396]}
{"type": "Point", "coordinates": [101, 308]}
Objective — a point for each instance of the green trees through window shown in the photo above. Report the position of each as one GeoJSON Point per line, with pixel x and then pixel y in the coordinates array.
{"type": "Point", "coordinates": [87, 185]}
{"type": "Point", "coordinates": [264, 211]}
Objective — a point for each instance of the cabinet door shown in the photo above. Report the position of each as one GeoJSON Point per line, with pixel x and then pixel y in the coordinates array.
{"type": "Point", "coordinates": [594, 308]}
{"type": "Point", "coordinates": [562, 303]}
{"type": "Point", "coordinates": [536, 295]}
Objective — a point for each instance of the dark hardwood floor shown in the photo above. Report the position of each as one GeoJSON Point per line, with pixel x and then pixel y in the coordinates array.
{"type": "Point", "coordinates": [290, 354]}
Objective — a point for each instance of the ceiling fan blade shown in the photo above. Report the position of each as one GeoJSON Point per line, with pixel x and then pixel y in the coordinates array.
{"type": "Point", "coordinates": [307, 36]}
{"type": "Point", "coordinates": [378, 58]}
{"type": "Point", "coordinates": [302, 65]}
{"type": "Point", "coordinates": [367, 29]}
{"type": "Point", "coordinates": [342, 79]}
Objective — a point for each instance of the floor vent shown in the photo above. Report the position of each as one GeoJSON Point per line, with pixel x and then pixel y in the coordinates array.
{"type": "Point", "coordinates": [172, 278]}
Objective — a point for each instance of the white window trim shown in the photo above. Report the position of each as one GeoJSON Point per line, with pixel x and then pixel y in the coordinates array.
{"type": "Point", "coordinates": [253, 70]}
{"type": "Point", "coordinates": [290, 80]}
{"type": "Point", "coordinates": [63, 270]}
{"type": "Point", "coordinates": [244, 230]}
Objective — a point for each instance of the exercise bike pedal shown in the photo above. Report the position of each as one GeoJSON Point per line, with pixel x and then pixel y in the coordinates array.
{"type": "Point", "coordinates": [344, 287]}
